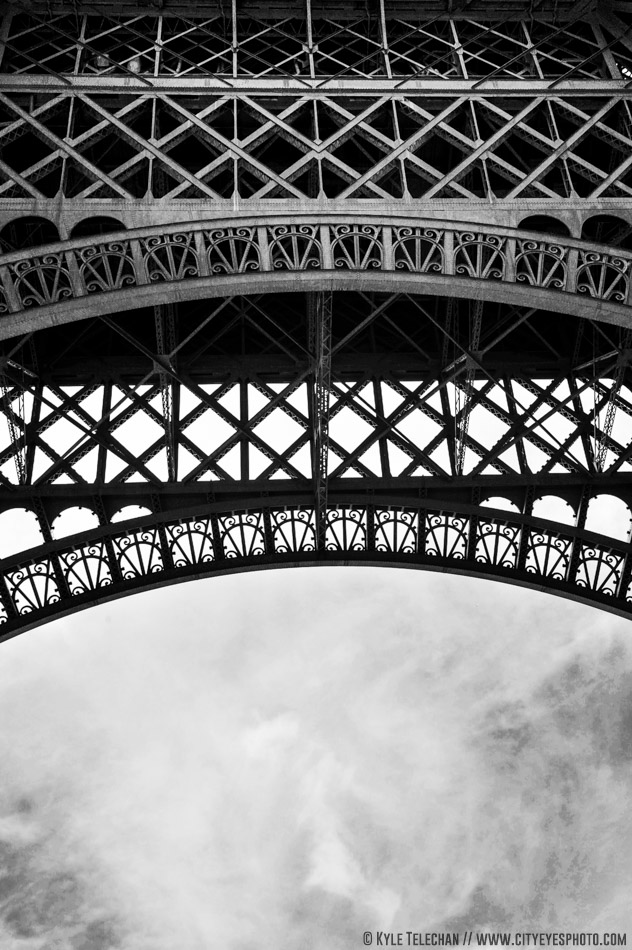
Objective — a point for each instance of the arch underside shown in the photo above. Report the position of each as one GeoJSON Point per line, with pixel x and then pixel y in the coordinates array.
{"type": "Point", "coordinates": [63, 577]}
{"type": "Point", "coordinates": [204, 413]}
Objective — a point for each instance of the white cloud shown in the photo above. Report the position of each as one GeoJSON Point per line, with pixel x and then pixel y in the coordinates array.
{"type": "Point", "coordinates": [288, 759]}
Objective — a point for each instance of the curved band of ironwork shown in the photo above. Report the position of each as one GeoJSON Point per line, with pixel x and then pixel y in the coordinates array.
{"type": "Point", "coordinates": [110, 562]}
{"type": "Point", "coordinates": [66, 281]}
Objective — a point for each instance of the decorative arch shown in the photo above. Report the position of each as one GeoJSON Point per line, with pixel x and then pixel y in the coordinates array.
{"type": "Point", "coordinates": [119, 559]}
{"type": "Point", "coordinates": [65, 282]}
{"type": "Point", "coordinates": [168, 542]}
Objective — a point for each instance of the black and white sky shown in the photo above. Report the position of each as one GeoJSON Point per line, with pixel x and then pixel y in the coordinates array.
{"type": "Point", "coordinates": [287, 759]}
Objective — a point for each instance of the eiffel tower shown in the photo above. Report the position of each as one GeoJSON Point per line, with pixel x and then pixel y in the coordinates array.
{"type": "Point", "coordinates": [314, 281]}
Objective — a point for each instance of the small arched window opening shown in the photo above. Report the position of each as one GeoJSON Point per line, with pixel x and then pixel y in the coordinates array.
{"type": "Point", "coordinates": [74, 521]}
{"type": "Point", "coordinates": [19, 531]}
{"type": "Point", "coordinates": [128, 512]}
{"type": "Point", "coordinates": [545, 223]}
{"type": "Point", "coordinates": [608, 229]}
{"type": "Point", "coordinates": [92, 227]}
{"type": "Point", "coordinates": [608, 515]}
{"type": "Point", "coordinates": [27, 232]}
{"type": "Point", "coordinates": [554, 508]}
{"type": "Point", "coordinates": [498, 501]}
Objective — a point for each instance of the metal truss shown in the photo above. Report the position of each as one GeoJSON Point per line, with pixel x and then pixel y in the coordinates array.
{"type": "Point", "coordinates": [252, 401]}
{"type": "Point", "coordinates": [317, 330]}
{"type": "Point", "coordinates": [395, 146]}
{"type": "Point", "coordinates": [541, 396]}
{"type": "Point", "coordinates": [303, 40]}
{"type": "Point", "coordinates": [273, 401]}
{"type": "Point", "coordinates": [319, 103]}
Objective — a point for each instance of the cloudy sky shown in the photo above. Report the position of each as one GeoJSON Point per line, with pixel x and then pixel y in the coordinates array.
{"type": "Point", "coordinates": [290, 758]}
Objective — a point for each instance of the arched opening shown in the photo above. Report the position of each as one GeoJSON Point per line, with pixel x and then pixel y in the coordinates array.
{"type": "Point", "coordinates": [546, 223]}
{"type": "Point", "coordinates": [92, 227]}
{"type": "Point", "coordinates": [19, 531]}
{"type": "Point", "coordinates": [22, 233]}
{"type": "Point", "coordinates": [554, 508]}
{"type": "Point", "coordinates": [212, 474]}
{"type": "Point", "coordinates": [247, 718]}
{"type": "Point", "coordinates": [498, 501]}
{"type": "Point", "coordinates": [608, 229]}
{"type": "Point", "coordinates": [609, 515]}
{"type": "Point", "coordinates": [73, 521]}
{"type": "Point", "coordinates": [129, 512]}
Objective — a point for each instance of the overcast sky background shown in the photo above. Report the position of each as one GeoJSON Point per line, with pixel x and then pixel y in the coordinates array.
{"type": "Point", "coordinates": [286, 759]}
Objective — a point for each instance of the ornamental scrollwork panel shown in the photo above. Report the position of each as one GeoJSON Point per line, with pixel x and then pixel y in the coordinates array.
{"type": "Point", "coordinates": [541, 264]}
{"type": "Point", "coordinates": [242, 534]}
{"type": "Point", "coordinates": [42, 281]}
{"type": "Point", "coordinates": [481, 256]}
{"type": "Point", "coordinates": [293, 531]}
{"type": "Point", "coordinates": [548, 555]}
{"type": "Point", "coordinates": [346, 529]}
{"type": "Point", "coordinates": [599, 570]}
{"type": "Point", "coordinates": [471, 542]}
{"type": "Point", "coordinates": [86, 568]}
{"type": "Point", "coordinates": [446, 535]}
{"type": "Point", "coordinates": [106, 267]}
{"type": "Point", "coordinates": [419, 250]}
{"type": "Point", "coordinates": [603, 276]}
{"type": "Point", "coordinates": [138, 554]}
{"type": "Point", "coordinates": [295, 247]}
{"type": "Point", "coordinates": [357, 246]}
{"type": "Point", "coordinates": [170, 257]}
{"type": "Point", "coordinates": [33, 587]}
{"type": "Point", "coordinates": [200, 251]}
{"type": "Point", "coordinates": [191, 542]}
{"type": "Point", "coordinates": [396, 531]}
{"type": "Point", "coordinates": [497, 543]}
{"type": "Point", "coordinates": [232, 250]}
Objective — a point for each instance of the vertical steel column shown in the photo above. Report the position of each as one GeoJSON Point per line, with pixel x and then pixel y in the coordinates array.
{"type": "Point", "coordinates": [462, 413]}
{"type": "Point", "coordinates": [310, 39]}
{"type": "Point", "coordinates": [16, 420]}
{"type": "Point", "coordinates": [164, 318]}
{"type": "Point", "coordinates": [384, 37]}
{"type": "Point", "coordinates": [319, 307]}
{"type": "Point", "coordinates": [603, 437]}
{"type": "Point", "coordinates": [233, 13]}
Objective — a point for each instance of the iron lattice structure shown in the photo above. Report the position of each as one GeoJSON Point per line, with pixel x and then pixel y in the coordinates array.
{"type": "Point", "coordinates": [314, 282]}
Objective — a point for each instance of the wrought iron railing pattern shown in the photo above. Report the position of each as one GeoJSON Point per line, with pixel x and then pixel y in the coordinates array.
{"type": "Point", "coordinates": [117, 559]}
{"type": "Point", "coordinates": [54, 274]}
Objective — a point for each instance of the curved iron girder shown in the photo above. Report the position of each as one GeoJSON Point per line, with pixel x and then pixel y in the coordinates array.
{"type": "Point", "coordinates": [74, 280]}
{"type": "Point", "coordinates": [67, 575]}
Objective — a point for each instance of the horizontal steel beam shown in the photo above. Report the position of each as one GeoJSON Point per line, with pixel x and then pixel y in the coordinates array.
{"type": "Point", "coordinates": [291, 86]}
